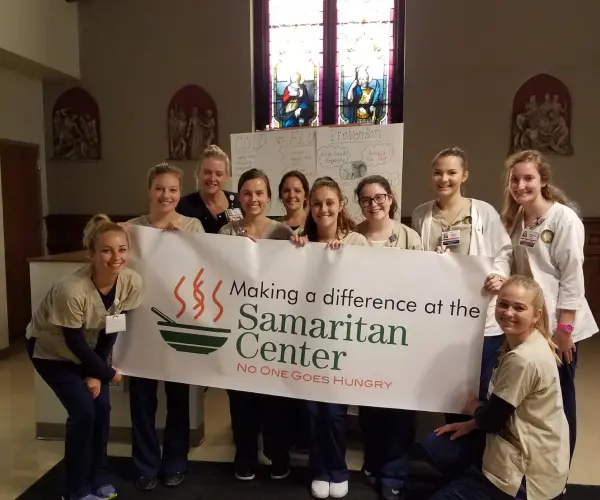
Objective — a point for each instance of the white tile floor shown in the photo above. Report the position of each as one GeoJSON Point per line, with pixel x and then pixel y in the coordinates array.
{"type": "Point", "coordinates": [24, 459]}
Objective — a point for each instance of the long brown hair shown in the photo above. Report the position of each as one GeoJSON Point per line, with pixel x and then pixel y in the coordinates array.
{"type": "Point", "coordinates": [453, 151]}
{"type": "Point", "coordinates": [550, 191]}
{"type": "Point", "coordinates": [345, 224]}
{"type": "Point", "coordinates": [539, 305]}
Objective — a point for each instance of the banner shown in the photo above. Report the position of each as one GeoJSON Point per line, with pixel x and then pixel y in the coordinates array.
{"type": "Point", "coordinates": [359, 325]}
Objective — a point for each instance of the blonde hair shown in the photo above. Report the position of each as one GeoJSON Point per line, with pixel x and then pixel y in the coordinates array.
{"type": "Point", "coordinates": [550, 191]}
{"type": "Point", "coordinates": [214, 151]}
{"type": "Point", "coordinates": [165, 168]}
{"type": "Point", "coordinates": [539, 305]}
{"type": "Point", "coordinates": [98, 225]}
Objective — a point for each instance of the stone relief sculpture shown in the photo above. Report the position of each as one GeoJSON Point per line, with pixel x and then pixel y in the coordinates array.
{"type": "Point", "coordinates": [541, 117]}
{"type": "Point", "coordinates": [191, 123]}
{"type": "Point", "coordinates": [76, 126]}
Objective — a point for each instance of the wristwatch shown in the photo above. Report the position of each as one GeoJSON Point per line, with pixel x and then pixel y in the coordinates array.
{"type": "Point", "coordinates": [566, 328]}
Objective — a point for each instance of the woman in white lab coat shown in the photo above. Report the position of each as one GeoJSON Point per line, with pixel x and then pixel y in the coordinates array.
{"type": "Point", "coordinates": [456, 224]}
{"type": "Point", "coordinates": [453, 223]}
{"type": "Point", "coordinates": [548, 238]}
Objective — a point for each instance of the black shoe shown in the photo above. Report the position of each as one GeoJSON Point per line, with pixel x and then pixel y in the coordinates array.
{"type": "Point", "coordinates": [173, 480]}
{"type": "Point", "coordinates": [369, 477]}
{"type": "Point", "coordinates": [145, 483]}
{"type": "Point", "coordinates": [388, 493]}
{"type": "Point", "coordinates": [244, 474]}
{"type": "Point", "coordinates": [280, 472]}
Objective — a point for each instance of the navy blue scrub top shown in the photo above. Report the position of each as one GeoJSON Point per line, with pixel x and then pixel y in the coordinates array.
{"type": "Point", "coordinates": [192, 205]}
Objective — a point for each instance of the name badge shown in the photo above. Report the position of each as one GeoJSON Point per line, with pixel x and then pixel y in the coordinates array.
{"type": "Point", "coordinates": [451, 238]}
{"type": "Point", "coordinates": [234, 214]}
{"type": "Point", "coordinates": [490, 389]}
{"type": "Point", "coordinates": [116, 323]}
{"type": "Point", "coordinates": [529, 237]}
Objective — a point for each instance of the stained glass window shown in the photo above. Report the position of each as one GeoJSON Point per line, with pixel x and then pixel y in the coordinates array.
{"type": "Point", "coordinates": [365, 52]}
{"type": "Point", "coordinates": [327, 62]}
{"type": "Point", "coordinates": [295, 61]}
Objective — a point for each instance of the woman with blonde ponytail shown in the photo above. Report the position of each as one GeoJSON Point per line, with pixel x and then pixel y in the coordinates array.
{"type": "Point", "coordinates": [548, 238]}
{"type": "Point", "coordinates": [69, 341]}
{"type": "Point", "coordinates": [526, 449]}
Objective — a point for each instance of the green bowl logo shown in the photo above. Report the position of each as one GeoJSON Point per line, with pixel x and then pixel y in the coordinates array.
{"type": "Point", "coordinates": [194, 339]}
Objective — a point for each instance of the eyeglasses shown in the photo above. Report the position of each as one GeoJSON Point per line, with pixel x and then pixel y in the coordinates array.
{"type": "Point", "coordinates": [367, 201]}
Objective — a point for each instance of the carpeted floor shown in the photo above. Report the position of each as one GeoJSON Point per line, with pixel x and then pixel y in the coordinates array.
{"type": "Point", "coordinates": [214, 481]}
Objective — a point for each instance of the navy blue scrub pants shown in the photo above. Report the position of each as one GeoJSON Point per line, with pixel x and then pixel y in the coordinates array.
{"type": "Point", "coordinates": [566, 374]}
{"type": "Point", "coordinates": [143, 400]}
{"type": "Point", "coordinates": [471, 485]}
{"type": "Point", "coordinates": [460, 462]}
{"type": "Point", "coordinates": [388, 435]}
{"type": "Point", "coordinates": [88, 422]}
{"type": "Point", "coordinates": [252, 413]}
{"type": "Point", "coordinates": [327, 457]}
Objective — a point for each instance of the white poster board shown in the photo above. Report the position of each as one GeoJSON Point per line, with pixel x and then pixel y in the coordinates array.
{"type": "Point", "coordinates": [347, 154]}
{"type": "Point", "coordinates": [276, 152]}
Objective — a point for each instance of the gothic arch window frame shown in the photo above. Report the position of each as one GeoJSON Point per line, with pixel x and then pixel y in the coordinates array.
{"type": "Point", "coordinates": [328, 105]}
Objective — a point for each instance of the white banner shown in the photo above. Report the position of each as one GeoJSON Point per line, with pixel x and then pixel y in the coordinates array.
{"type": "Point", "coordinates": [359, 325]}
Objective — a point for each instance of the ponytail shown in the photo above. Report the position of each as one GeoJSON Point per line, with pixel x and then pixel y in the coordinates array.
{"type": "Point", "coordinates": [98, 225]}
{"type": "Point", "coordinates": [539, 304]}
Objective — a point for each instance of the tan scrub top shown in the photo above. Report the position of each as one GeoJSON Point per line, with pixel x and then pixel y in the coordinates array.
{"type": "Point", "coordinates": [353, 238]}
{"type": "Point", "coordinates": [535, 441]}
{"type": "Point", "coordinates": [297, 230]}
{"type": "Point", "coordinates": [274, 231]}
{"type": "Point", "coordinates": [461, 222]}
{"type": "Point", "coordinates": [520, 264]}
{"type": "Point", "coordinates": [187, 224]}
{"type": "Point", "coordinates": [402, 237]}
{"type": "Point", "coordinates": [74, 302]}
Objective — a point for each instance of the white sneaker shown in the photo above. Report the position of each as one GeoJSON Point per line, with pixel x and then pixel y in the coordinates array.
{"type": "Point", "coordinates": [338, 490]}
{"type": "Point", "coordinates": [320, 489]}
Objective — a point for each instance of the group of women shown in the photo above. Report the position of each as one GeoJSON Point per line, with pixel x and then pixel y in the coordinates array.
{"type": "Point", "coordinates": [517, 435]}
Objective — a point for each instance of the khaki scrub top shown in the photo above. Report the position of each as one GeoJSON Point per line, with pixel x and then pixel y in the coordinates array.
{"type": "Point", "coordinates": [295, 229]}
{"type": "Point", "coordinates": [520, 264]}
{"type": "Point", "coordinates": [188, 224]}
{"type": "Point", "coordinates": [461, 222]}
{"type": "Point", "coordinates": [402, 237]}
{"type": "Point", "coordinates": [535, 441]}
{"type": "Point", "coordinates": [274, 230]}
{"type": "Point", "coordinates": [74, 302]}
{"type": "Point", "coordinates": [353, 238]}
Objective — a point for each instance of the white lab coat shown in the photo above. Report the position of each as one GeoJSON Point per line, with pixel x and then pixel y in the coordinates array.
{"type": "Point", "coordinates": [488, 238]}
{"type": "Point", "coordinates": [557, 265]}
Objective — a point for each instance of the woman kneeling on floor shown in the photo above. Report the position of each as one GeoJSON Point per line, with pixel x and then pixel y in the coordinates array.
{"type": "Point", "coordinates": [522, 428]}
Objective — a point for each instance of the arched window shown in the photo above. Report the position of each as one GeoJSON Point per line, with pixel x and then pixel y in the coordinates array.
{"type": "Point", "coordinates": [328, 62]}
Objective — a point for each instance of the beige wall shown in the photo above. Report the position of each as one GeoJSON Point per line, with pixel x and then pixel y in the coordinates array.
{"type": "Point", "coordinates": [42, 31]}
{"type": "Point", "coordinates": [135, 54]}
{"type": "Point", "coordinates": [464, 61]}
{"type": "Point", "coordinates": [21, 119]}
